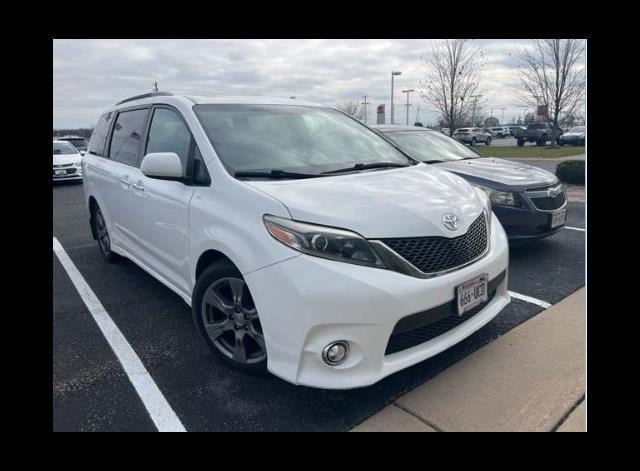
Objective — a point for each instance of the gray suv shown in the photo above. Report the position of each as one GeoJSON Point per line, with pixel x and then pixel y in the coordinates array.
{"type": "Point", "coordinates": [472, 136]}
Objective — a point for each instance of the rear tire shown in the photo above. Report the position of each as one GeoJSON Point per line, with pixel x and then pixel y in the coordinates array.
{"type": "Point", "coordinates": [520, 142]}
{"type": "Point", "coordinates": [225, 316]}
{"type": "Point", "coordinates": [488, 141]}
{"type": "Point", "coordinates": [103, 238]}
{"type": "Point", "coordinates": [473, 141]}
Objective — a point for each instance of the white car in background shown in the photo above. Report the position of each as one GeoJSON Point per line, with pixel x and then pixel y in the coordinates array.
{"type": "Point", "coordinates": [305, 243]}
{"type": "Point", "coordinates": [500, 132]}
{"type": "Point", "coordinates": [66, 161]}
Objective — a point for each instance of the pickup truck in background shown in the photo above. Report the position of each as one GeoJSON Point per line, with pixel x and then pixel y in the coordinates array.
{"type": "Point", "coordinates": [540, 133]}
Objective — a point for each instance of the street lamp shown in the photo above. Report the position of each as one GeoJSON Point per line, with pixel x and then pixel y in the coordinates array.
{"type": "Point", "coordinates": [392, 74]}
{"type": "Point", "coordinates": [407, 92]}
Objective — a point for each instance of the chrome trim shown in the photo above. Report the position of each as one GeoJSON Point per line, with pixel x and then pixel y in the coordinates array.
{"type": "Point", "coordinates": [396, 262]}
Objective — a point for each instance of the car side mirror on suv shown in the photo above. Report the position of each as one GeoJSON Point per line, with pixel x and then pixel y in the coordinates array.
{"type": "Point", "coordinates": [162, 165]}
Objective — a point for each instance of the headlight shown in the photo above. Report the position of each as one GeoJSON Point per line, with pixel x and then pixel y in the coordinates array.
{"type": "Point", "coordinates": [322, 241]}
{"type": "Point", "coordinates": [487, 203]}
{"type": "Point", "coordinates": [505, 198]}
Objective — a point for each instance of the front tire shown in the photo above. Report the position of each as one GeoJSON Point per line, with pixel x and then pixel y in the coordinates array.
{"type": "Point", "coordinates": [520, 142]}
{"type": "Point", "coordinates": [473, 141]}
{"type": "Point", "coordinates": [225, 315]}
{"type": "Point", "coordinates": [488, 141]}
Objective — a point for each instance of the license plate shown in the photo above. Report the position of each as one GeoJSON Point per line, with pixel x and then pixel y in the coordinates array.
{"type": "Point", "coordinates": [558, 219]}
{"type": "Point", "coordinates": [471, 293]}
{"type": "Point", "coordinates": [61, 172]}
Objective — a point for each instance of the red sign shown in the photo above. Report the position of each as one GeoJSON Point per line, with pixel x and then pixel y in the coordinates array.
{"type": "Point", "coordinates": [543, 110]}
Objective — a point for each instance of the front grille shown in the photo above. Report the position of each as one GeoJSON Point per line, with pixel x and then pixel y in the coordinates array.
{"type": "Point", "coordinates": [63, 166]}
{"type": "Point", "coordinates": [68, 171]}
{"type": "Point", "coordinates": [434, 254]}
{"type": "Point", "coordinates": [549, 203]}
{"type": "Point", "coordinates": [423, 326]}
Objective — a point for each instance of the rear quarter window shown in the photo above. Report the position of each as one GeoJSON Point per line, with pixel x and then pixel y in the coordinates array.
{"type": "Point", "coordinates": [99, 135]}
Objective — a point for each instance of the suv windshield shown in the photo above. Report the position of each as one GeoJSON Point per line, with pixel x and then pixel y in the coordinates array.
{"type": "Point", "coordinates": [537, 126]}
{"type": "Point", "coordinates": [292, 138]}
{"type": "Point", "coordinates": [63, 148]}
{"type": "Point", "coordinates": [429, 146]}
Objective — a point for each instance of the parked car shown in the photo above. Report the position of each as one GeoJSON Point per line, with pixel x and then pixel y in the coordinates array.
{"type": "Point", "coordinates": [576, 136]}
{"type": "Point", "coordinates": [515, 129]}
{"type": "Point", "coordinates": [472, 136]}
{"type": "Point", "coordinates": [500, 132]}
{"type": "Point", "coordinates": [305, 243]}
{"type": "Point", "coordinates": [78, 142]}
{"type": "Point", "coordinates": [540, 133]}
{"type": "Point", "coordinates": [530, 202]}
{"type": "Point", "coordinates": [445, 131]}
{"type": "Point", "coordinates": [66, 162]}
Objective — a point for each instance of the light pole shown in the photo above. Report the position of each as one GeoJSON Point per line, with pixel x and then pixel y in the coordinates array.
{"type": "Point", "coordinates": [502, 115]}
{"type": "Point", "coordinates": [365, 103]}
{"type": "Point", "coordinates": [408, 105]}
{"type": "Point", "coordinates": [475, 105]}
{"type": "Point", "coordinates": [392, 74]}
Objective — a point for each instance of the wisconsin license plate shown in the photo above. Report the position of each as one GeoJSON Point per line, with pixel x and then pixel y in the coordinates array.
{"type": "Point", "coordinates": [471, 293]}
{"type": "Point", "coordinates": [558, 218]}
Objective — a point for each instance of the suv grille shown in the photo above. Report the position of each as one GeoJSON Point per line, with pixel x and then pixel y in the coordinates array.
{"type": "Point", "coordinates": [549, 203]}
{"type": "Point", "coordinates": [434, 254]}
{"type": "Point", "coordinates": [426, 325]}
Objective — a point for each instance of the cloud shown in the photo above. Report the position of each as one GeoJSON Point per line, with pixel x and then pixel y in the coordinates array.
{"type": "Point", "coordinates": [91, 75]}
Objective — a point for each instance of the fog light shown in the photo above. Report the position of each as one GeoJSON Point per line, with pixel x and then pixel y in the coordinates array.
{"type": "Point", "coordinates": [335, 353]}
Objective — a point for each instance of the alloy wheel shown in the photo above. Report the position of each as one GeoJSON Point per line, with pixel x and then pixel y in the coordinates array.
{"type": "Point", "coordinates": [230, 319]}
{"type": "Point", "coordinates": [103, 235]}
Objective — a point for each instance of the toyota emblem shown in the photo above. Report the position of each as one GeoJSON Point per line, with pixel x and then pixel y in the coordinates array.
{"type": "Point", "coordinates": [450, 221]}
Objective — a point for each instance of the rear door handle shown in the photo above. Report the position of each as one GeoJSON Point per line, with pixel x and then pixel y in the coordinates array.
{"type": "Point", "coordinates": [138, 187]}
{"type": "Point", "coordinates": [125, 183]}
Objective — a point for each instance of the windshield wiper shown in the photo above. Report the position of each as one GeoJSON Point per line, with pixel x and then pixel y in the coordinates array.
{"type": "Point", "coordinates": [361, 166]}
{"type": "Point", "coordinates": [433, 161]}
{"type": "Point", "coordinates": [275, 173]}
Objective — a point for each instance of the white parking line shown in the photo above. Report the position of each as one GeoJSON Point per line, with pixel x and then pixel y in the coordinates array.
{"type": "Point", "coordinates": [159, 409]}
{"type": "Point", "coordinates": [529, 299]}
{"type": "Point", "coordinates": [575, 228]}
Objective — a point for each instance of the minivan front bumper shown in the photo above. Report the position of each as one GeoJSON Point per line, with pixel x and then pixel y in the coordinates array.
{"type": "Point", "coordinates": [305, 303]}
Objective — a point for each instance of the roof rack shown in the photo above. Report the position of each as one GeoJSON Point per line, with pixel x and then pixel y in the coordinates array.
{"type": "Point", "coordinates": [144, 95]}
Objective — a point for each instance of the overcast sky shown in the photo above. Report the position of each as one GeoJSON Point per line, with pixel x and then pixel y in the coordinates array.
{"type": "Point", "coordinates": [91, 75]}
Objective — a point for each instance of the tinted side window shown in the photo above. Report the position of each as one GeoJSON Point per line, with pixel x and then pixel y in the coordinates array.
{"type": "Point", "coordinates": [168, 133]}
{"type": "Point", "coordinates": [127, 134]}
{"type": "Point", "coordinates": [99, 134]}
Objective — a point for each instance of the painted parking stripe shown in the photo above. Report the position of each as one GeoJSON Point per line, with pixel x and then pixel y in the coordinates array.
{"type": "Point", "coordinates": [529, 299]}
{"type": "Point", "coordinates": [157, 406]}
{"type": "Point", "coordinates": [575, 228]}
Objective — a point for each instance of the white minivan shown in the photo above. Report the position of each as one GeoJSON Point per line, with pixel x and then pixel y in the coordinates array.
{"type": "Point", "coordinates": [306, 244]}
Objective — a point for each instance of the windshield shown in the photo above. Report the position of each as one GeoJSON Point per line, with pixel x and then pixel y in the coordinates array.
{"type": "Point", "coordinates": [462, 130]}
{"type": "Point", "coordinates": [578, 129]}
{"type": "Point", "coordinates": [63, 148]}
{"type": "Point", "coordinates": [427, 146]}
{"type": "Point", "coordinates": [291, 138]}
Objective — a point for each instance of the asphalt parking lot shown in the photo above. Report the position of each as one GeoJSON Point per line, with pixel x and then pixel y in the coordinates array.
{"type": "Point", "coordinates": [91, 391]}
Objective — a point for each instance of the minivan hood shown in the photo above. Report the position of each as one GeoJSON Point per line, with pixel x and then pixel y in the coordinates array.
{"type": "Point", "coordinates": [504, 173]}
{"type": "Point", "coordinates": [63, 159]}
{"type": "Point", "coordinates": [405, 202]}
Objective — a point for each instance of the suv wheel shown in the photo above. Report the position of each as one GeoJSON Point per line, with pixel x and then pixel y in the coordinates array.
{"type": "Point", "coordinates": [473, 141]}
{"type": "Point", "coordinates": [520, 142]}
{"type": "Point", "coordinates": [102, 235]}
{"type": "Point", "coordinates": [488, 141]}
{"type": "Point", "coordinates": [225, 315]}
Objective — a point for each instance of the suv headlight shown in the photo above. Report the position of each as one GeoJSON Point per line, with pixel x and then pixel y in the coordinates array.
{"type": "Point", "coordinates": [323, 241]}
{"type": "Point", "coordinates": [505, 198]}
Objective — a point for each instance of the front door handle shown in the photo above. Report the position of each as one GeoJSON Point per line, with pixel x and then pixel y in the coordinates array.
{"type": "Point", "coordinates": [138, 187]}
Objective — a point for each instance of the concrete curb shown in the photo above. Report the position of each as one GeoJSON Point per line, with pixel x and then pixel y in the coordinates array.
{"type": "Point", "coordinates": [530, 379]}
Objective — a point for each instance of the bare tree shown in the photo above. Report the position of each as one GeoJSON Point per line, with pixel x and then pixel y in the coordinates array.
{"type": "Point", "coordinates": [352, 108]}
{"type": "Point", "coordinates": [451, 82]}
{"type": "Point", "coordinates": [552, 74]}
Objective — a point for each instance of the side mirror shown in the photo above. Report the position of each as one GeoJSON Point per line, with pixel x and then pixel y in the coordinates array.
{"type": "Point", "coordinates": [163, 165]}
{"type": "Point", "coordinates": [82, 152]}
